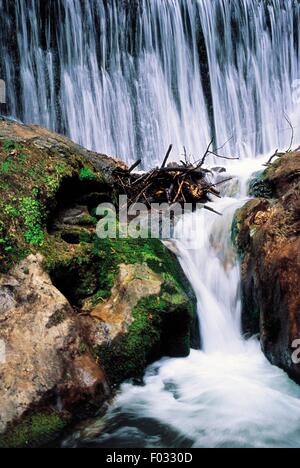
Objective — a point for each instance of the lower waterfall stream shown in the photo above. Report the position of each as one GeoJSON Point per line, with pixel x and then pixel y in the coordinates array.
{"type": "Point", "coordinates": [227, 394]}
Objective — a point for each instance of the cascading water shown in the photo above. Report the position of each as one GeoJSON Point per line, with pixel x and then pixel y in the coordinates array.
{"type": "Point", "coordinates": [227, 395]}
{"type": "Point", "coordinates": [131, 77]}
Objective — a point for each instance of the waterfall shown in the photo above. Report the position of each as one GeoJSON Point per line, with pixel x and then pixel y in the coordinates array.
{"type": "Point", "coordinates": [130, 77]}
{"type": "Point", "coordinates": [225, 396]}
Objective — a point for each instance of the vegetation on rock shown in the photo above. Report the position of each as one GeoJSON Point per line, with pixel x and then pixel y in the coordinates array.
{"type": "Point", "coordinates": [266, 233]}
{"type": "Point", "coordinates": [49, 192]}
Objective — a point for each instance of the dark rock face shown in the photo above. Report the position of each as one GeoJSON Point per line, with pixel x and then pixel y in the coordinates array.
{"type": "Point", "coordinates": [267, 235]}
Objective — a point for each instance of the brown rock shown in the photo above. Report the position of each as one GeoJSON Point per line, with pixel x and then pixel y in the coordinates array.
{"type": "Point", "coordinates": [44, 139]}
{"type": "Point", "coordinates": [41, 341]}
{"type": "Point", "coordinates": [268, 237]}
{"type": "Point", "coordinates": [113, 317]}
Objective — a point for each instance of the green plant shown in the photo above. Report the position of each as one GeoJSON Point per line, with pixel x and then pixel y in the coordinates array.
{"type": "Point", "coordinates": [33, 431]}
{"type": "Point", "coordinates": [31, 214]}
{"type": "Point", "coordinates": [11, 211]}
{"type": "Point", "coordinates": [9, 145]}
{"type": "Point", "coordinates": [5, 167]}
{"type": "Point", "coordinates": [87, 174]}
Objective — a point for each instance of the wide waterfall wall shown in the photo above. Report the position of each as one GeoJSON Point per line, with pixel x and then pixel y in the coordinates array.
{"type": "Point", "coordinates": [130, 77]}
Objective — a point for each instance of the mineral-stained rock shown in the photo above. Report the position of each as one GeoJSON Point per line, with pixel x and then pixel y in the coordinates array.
{"type": "Point", "coordinates": [267, 234]}
{"type": "Point", "coordinates": [43, 362]}
{"type": "Point", "coordinates": [148, 315]}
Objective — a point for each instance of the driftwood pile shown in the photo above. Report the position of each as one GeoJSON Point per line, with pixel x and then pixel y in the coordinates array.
{"type": "Point", "coordinates": [171, 183]}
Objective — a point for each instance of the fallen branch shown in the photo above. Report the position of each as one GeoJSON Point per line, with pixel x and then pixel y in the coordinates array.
{"type": "Point", "coordinates": [134, 166]}
{"type": "Point", "coordinates": [181, 182]}
{"type": "Point", "coordinates": [167, 156]}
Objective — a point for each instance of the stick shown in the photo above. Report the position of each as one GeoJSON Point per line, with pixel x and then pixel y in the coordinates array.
{"type": "Point", "coordinates": [167, 157]}
{"type": "Point", "coordinates": [183, 170]}
{"type": "Point", "coordinates": [212, 210]}
{"type": "Point", "coordinates": [292, 128]}
{"type": "Point", "coordinates": [271, 158]}
{"type": "Point", "coordinates": [206, 154]}
{"type": "Point", "coordinates": [134, 166]}
{"type": "Point", "coordinates": [223, 157]}
{"type": "Point", "coordinates": [222, 182]}
{"type": "Point", "coordinates": [179, 191]}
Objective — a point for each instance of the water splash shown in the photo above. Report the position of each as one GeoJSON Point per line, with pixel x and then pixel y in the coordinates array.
{"type": "Point", "coordinates": [129, 78]}
{"type": "Point", "coordinates": [228, 394]}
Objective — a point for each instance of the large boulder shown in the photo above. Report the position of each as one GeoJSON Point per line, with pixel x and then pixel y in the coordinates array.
{"type": "Point", "coordinates": [267, 235]}
{"type": "Point", "coordinates": [78, 314]}
{"type": "Point", "coordinates": [43, 362]}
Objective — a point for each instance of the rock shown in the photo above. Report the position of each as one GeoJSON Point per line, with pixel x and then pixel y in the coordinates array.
{"type": "Point", "coordinates": [267, 234]}
{"type": "Point", "coordinates": [133, 283]}
{"type": "Point", "coordinates": [77, 313]}
{"type": "Point", "coordinates": [76, 216]}
{"type": "Point", "coordinates": [44, 362]}
{"type": "Point", "coordinates": [259, 187]}
{"type": "Point", "coordinates": [146, 316]}
{"type": "Point", "coordinates": [48, 142]}
{"type": "Point", "coordinates": [44, 177]}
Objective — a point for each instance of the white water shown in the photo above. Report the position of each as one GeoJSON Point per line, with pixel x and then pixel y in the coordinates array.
{"type": "Point", "coordinates": [228, 394]}
{"type": "Point", "coordinates": [131, 77]}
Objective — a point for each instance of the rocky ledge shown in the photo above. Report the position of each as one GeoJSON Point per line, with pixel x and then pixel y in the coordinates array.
{"type": "Point", "coordinates": [78, 315]}
{"type": "Point", "coordinates": [267, 234]}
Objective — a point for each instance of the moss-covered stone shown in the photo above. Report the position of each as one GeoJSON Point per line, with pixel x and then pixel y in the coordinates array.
{"type": "Point", "coordinates": [33, 431]}
{"type": "Point", "coordinates": [259, 187]}
{"type": "Point", "coordinates": [162, 326]}
{"type": "Point", "coordinates": [49, 192]}
{"type": "Point", "coordinates": [39, 171]}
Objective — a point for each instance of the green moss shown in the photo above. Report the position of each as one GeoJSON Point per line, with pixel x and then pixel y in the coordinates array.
{"type": "Point", "coordinates": [162, 326]}
{"type": "Point", "coordinates": [259, 186]}
{"type": "Point", "coordinates": [30, 212]}
{"type": "Point", "coordinates": [128, 356]}
{"type": "Point", "coordinates": [86, 174]}
{"type": "Point", "coordinates": [113, 252]}
{"type": "Point", "coordinates": [31, 185]}
{"type": "Point", "coordinates": [235, 231]}
{"type": "Point", "coordinates": [9, 145]}
{"type": "Point", "coordinates": [33, 431]}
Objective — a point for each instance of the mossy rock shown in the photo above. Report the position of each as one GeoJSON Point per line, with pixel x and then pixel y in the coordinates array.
{"type": "Point", "coordinates": [162, 325]}
{"type": "Point", "coordinates": [41, 175]}
{"type": "Point", "coordinates": [34, 431]}
{"type": "Point", "coordinates": [38, 172]}
{"type": "Point", "coordinates": [259, 186]}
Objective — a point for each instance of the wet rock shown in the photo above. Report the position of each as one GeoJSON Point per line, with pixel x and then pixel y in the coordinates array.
{"type": "Point", "coordinates": [267, 235]}
{"type": "Point", "coordinates": [259, 187]}
{"type": "Point", "coordinates": [79, 312]}
{"type": "Point", "coordinates": [146, 316]}
{"type": "Point", "coordinates": [76, 216]}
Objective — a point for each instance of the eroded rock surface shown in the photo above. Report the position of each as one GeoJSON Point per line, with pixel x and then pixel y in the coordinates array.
{"type": "Point", "coordinates": [43, 362]}
{"type": "Point", "coordinates": [267, 234]}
